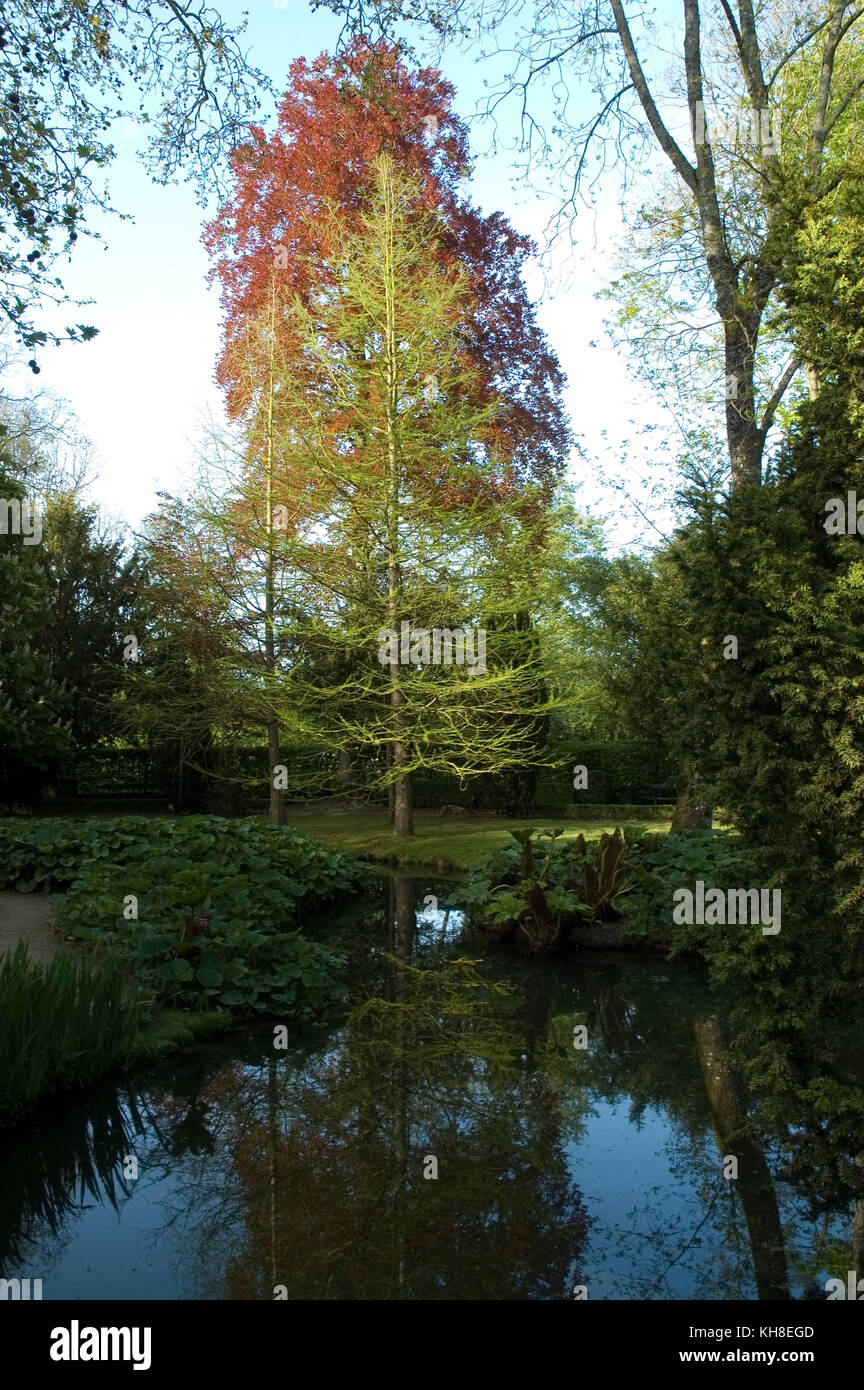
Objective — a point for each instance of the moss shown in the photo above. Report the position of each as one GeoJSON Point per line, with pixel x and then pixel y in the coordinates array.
{"type": "Point", "coordinates": [177, 1028]}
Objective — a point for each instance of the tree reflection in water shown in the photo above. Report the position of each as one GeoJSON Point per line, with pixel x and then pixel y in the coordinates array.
{"type": "Point", "coordinates": [555, 1166]}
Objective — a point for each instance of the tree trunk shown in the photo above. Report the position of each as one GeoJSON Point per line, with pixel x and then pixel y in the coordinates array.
{"type": "Point", "coordinates": [346, 778]}
{"type": "Point", "coordinates": [274, 758]}
{"type": "Point", "coordinates": [690, 812]}
{"type": "Point", "coordinates": [753, 1184]}
{"type": "Point", "coordinates": [812, 378]}
{"type": "Point", "coordinates": [403, 811]}
{"type": "Point", "coordinates": [276, 812]}
{"type": "Point", "coordinates": [391, 791]}
{"type": "Point", "coordinates": [403, 805]}
{"type": "Point", "coordinates": [858, 1224]}
{"type": "Point", "coordinates": [744, 434]}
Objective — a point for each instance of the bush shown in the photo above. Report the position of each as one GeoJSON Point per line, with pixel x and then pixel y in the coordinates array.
{"type": "Point", "coordinates": [664, 863]}
{"type": "Point", "coordinates": [540, 886]}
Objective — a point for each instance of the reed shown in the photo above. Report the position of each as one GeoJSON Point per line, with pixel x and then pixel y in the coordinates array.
{"type": "Point", "coordinates": [61, 1025]}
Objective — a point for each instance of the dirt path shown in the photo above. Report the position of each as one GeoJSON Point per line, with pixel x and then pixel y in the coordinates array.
{"type": "Point", "coordinates": [27, 917]}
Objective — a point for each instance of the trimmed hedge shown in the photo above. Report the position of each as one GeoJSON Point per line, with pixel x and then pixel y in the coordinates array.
{"type": "Point", "coordinates": [632, 771]}
{"type": "Point", "coordinates": [619, 811]}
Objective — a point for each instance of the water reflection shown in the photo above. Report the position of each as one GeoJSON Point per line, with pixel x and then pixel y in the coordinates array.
{"type": "Point", "coordinates": [447, 1140]}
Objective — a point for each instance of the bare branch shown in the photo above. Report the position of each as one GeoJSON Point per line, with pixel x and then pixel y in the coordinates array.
{"type": "Point", "coordinates": [777, 395]}
{"type": "Point", "coordinates": [850, 96]}
{"type": "Point", "coordinates": [823, 95]}
{"type": "Point", "coordinates": [669, 146]}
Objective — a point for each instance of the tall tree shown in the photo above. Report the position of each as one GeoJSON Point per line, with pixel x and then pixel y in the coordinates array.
{"type": "Point", "coordinates": [335, 119]}
{"type": "Point", "coordinates": [503, 400]}
{"type": "Point", "coordinates": [736, 206]}
{"type": "Point", "coordinates": [368, 384]}
{"type": "Point", "coordinates": [738, 198]}
{"type": "Point", "coordinates": [65, 604]}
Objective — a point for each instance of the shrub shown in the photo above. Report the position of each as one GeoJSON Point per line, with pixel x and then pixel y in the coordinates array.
{"type": "Point", "coordinates": [537, 889]}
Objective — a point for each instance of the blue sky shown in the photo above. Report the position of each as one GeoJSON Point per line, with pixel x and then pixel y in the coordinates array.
{"type": "Point", "coordinates": [144, 386]}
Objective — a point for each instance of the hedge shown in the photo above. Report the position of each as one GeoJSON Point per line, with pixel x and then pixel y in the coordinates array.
{"type": "Point", "coordinates": [634, 771]}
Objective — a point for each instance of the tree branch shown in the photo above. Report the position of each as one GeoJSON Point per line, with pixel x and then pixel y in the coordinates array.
{"type": "Point", "coordinates": [777, 395]}
{"type": "Point", "coordinates": [681, 164]}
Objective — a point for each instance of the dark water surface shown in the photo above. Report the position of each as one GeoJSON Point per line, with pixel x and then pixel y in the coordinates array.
{"type": "Point", "coordinates": [312, 1168]}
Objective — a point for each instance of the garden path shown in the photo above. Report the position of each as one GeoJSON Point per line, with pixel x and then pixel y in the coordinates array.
{"type": "Point", "coordinates": [27, 917]}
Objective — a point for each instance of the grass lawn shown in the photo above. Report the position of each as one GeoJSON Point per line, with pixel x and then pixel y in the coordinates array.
{"type": "Point", "coordinates": [438, 843]}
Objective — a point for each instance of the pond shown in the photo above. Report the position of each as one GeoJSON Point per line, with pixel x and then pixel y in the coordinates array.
{"type": "Point", "coordinates": [476, 1126]}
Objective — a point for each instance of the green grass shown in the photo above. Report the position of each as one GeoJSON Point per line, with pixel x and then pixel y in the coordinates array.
{"type": "Point", "coordinates": [443, 843]}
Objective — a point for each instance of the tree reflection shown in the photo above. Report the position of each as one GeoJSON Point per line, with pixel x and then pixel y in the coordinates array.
{"type": "Point", "coordinates": [427, 1069]}
{"type": "Point", "coordinates": [312, 1168]}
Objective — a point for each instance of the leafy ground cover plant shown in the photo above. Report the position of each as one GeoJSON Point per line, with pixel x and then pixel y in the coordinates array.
{"type": "Point", "coordinates": [539, 888]}
{"type": "Point", "coordinates": [720, 859]}
{"type": "Point", "coordinates": [203, 912]}
{"type": "Point", "coordinates": [661, 864]}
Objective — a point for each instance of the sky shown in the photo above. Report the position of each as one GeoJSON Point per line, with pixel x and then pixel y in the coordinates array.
{"type": "Point", "coordinates": [143, 389]}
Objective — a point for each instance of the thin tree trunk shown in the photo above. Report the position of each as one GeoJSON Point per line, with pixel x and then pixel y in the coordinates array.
{"type": "Point", "coordinates": [274, 758]}
{"type": "Point", "coordinates": [391, 792]}
{"type": "Point", "coordinates": [403, 811]}
{"type": "Point", "coordinates": [274, 755]}
{"type": "Point", "coordinates": [812, 378]}
{"type": "Point", "coordinates": [745, 436]}
{"type": "Point", "coordinates": [346, 778]}
{"type": "Point", "coordinates": [858, 1224]}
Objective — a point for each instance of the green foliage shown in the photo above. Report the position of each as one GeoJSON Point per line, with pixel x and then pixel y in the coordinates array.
{"type": "Point", "coordinates": [63, 1025]}
{"type": "Point", "coordinates": [91, 603]}
{"type": "Point", "coordinates": [661, 864]}
{"type": "Point", "coordinates": [542, 885]}
{"type": "Point", "coordinates": [32, 733]}
{"type": "Point", "coordinates": [622, 770]}
{"type": "Point", "coordinates": [778, 732]}
{"type": "Point", "coordinates": [67, 67]}
{"type": "Point", "coordinates": [775, 730]}
{"type": "Point", "coordinates": [64, 605]}
{"type": "Point", "coordinates": [217, 904]}
{"type": "Point", "coordinates": [606, 874]}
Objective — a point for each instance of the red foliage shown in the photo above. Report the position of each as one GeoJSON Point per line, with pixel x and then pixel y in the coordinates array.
{"type": "Point", "coordinates": [337, 116]}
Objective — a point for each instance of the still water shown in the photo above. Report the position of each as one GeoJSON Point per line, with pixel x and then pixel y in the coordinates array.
{"type": "Point", "coordinates": [447, 1137]}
